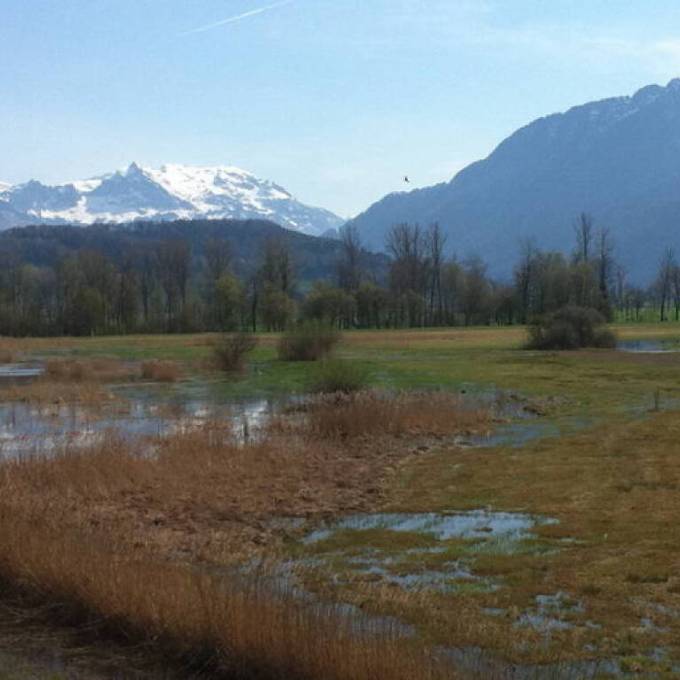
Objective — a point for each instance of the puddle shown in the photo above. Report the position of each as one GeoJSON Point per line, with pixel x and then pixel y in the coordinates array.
{"type": "Point", "coordinates": [666, 346]}
{"type": "Point", "coordinates": [12, 372]}
{"type": "Point", "coordinates": [482, 532]}
{"type": "Point", "coordinates": [29, 428]}
{"type": "Point", "coordinates": [153, 410]}
{"type": "Point", "coordinates": [482, 524]}
{"type": "Point", "coordinates": [550, 613]}
{"type": "Point", "coordinates": [479, 663]}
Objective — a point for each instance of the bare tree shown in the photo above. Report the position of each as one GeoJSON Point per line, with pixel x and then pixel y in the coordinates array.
{"type": "Point", "coordinates": [525, 274]}
{"type": "Point", "coordinates": [174, 259]}
{"type": "Point", "coordinates": [349, 264]}
{"type": "Point", "coordinates": [584, 237]}
{"type": "Point", "coordinates": [435, 243]}
{"type": "Point", "coordinates": [605, 267]}
{"type": "Point", "coordinates": [664, 280]}
{"type": "Point", "coordinates": [621, 290]}
{"type": "Point", "coordinates": [405, 243]}
{"type": "Point", "coordinates": [675, 284]}
{"type": "Point", "coordinates": [277, 266]}
{"type": "Point", "coordinates": [217, 257]}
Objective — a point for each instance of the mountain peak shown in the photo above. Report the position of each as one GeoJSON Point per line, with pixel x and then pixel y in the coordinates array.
{"type": "Point", "coordinates": [171, 192]}
{"type": "Point", "coordinates": [648, 94]}
{"type": "Point", "coordinates": [133, 169]}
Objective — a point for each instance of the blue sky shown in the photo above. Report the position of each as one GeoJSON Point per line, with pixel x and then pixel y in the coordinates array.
{"type": "Point", "coordinates": [334, 99]}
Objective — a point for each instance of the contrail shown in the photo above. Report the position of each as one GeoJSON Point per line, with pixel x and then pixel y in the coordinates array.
{"type": "Point", "coordinates": [238, 17]}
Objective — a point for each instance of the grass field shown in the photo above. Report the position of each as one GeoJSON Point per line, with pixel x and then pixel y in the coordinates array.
{"type": "Point", "coordinates": [596, 580]}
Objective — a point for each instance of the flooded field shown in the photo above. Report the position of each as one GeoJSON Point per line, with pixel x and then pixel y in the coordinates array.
{"type": "Point", "coordinates": [480, 502]}
{"type": "Point", "coordinates": [150, 411]}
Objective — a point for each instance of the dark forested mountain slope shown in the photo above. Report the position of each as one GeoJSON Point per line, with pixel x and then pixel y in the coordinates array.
{"type": "Point", "coordinates": [617, 159]}
{"type": "Point", "coordinates": [314, 258]}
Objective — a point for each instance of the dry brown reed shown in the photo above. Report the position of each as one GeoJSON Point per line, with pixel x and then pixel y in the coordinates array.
{"type": "Point", "coordinates": [7, 356]}
{"type": "Point", "coordinates": [87, 370]}
{"type": "Point", "coordinates": [107, 534]}
{"type": "Point", "coordinates": [160, 371]}
{"type": "Point", "coordinates": [236, 629]}
{"type": "Point", "coordinates": [200, 494]}
{"type": "Point", "coordinates": [373, 413]}
{"type": "Point", "coordinates": [49, 392]}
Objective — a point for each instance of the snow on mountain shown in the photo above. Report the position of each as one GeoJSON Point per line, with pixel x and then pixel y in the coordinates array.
{"type": "Point", "coordinates": [170, 192]}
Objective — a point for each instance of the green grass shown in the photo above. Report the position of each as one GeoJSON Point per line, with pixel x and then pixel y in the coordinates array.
{"type": "Point", "coordinates": [603, 381]}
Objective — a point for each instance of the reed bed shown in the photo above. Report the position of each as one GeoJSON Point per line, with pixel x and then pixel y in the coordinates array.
{"type": "Point", "coordinates": [227, 629]}
{"type": "Point", "coordinates": [372, 413]}
{"type": "Point", "coordinates": [160, 371]}
{"type": "Point", "coordinates": [140, 545]}
{"type": "Point", "coordinates": [46, 392]}
{"type": "Point", "coordinates": [100, 370]}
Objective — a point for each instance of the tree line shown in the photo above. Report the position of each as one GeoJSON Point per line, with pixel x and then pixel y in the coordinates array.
{"type": "Point", "coordinates": [163, 288]}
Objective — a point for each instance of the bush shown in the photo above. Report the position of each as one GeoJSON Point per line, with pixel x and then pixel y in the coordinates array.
{"type": "Point", "coordinates": [340, 376]}
{"type": "Point", "coordinates": [571, 327]}
{"type": "Point", "coordinates": [231, 351]}
{"type": "Point", "coordinates": [309, 341]}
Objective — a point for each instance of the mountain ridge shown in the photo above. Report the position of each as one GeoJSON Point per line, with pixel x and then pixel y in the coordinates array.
{"type": "Point", "coordinates": [168, 193]}
{"type": "Point", "coordinates": [616, 159]}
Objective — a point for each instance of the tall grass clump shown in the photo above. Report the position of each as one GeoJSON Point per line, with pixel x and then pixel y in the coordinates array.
{"type": "Point", "coordinates": [231, 351]}
{"type": "Point", "coordinates": [101, 370]}
{"type": "Point", "coordinates": [309, 341]}
{"type": "Point", "coordinates": [160, 371]}
{"type": "Point", "coordinates": [67, 370]}
{"type": "Point", "coordinates": [336, 375]}
{"type": "Point", "coordinates": [571, 327]}
{"type": "Point", "coordinates": [368, 414]}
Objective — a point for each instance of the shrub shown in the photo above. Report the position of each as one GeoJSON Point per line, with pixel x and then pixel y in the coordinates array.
{"type": "Point", "coordinates": [231, 351]}
{"type": "Point", "coordinates": [161, 371]}
{"type": "Point", "coordinates": [340, 376]}
{"type": "Point", "coordinates": [309, 341]}
{"type": "Point", "coordinates": [571, 327]}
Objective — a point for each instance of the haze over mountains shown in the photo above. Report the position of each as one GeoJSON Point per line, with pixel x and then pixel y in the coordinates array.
{"type": "Point", "coordinates": [617, 159]}
{"type": "Point", "coordinates": [169, 193]}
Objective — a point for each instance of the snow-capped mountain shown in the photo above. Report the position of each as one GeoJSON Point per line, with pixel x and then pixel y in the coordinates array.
{"type": "Point", "coordinates": [617, 159]}
{"type": "Point", "coordinates": [169, 193]}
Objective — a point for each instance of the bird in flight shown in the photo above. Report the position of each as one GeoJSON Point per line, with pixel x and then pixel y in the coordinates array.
{"type": "Point", "coordinates": [406, 179]}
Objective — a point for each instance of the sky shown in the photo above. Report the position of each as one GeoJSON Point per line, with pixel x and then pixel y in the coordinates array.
{"type": "Point", "coordinates": [336, 100]}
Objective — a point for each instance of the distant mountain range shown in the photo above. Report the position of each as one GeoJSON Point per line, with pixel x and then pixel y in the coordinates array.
{"type": "Point", "coordinates": [617, 159]}
{"type": "Point", "coordinates": [169, 193]}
